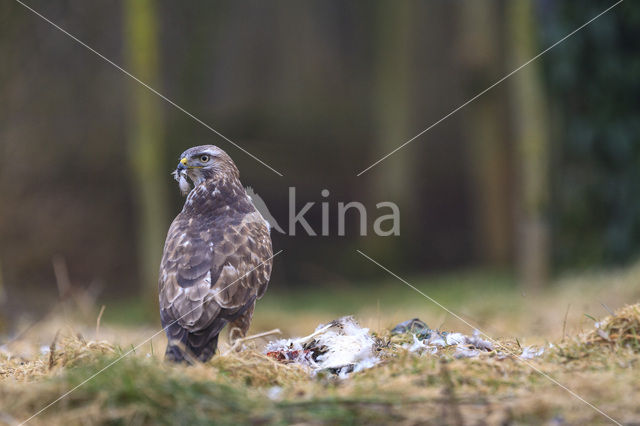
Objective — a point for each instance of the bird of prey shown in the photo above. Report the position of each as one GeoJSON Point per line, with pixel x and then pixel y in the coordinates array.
{"type": "Point", "coordinates": [217, 257]}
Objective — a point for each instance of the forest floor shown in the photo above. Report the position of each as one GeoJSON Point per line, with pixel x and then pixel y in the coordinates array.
{"type": "Point", "coordinates": [585, 369]}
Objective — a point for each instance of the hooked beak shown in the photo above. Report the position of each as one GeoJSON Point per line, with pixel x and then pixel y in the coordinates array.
{"type": "Point", "coordinates": [182, 165]}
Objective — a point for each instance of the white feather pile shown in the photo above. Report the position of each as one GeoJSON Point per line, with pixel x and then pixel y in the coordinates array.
{"type": "Point", "coordinates": [341, 346]}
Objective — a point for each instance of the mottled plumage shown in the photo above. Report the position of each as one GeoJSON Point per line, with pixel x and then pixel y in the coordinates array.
{"type": "Point", "coordinates": [217, 257]}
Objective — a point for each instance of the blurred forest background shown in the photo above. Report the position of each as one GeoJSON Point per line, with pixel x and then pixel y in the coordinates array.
{"type": "Point", "coordinates": [540, 175]}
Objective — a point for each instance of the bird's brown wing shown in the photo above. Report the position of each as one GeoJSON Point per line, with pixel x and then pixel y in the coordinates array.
{"type": "Point", "coordinates": [213, 269]}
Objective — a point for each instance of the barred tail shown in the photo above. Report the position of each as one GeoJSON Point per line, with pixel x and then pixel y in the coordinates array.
{"type": "Point", "coordinates": [189, 353]}
{"type": "Point", "coordinates": [187, 347]}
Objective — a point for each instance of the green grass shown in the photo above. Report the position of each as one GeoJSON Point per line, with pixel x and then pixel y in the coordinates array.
{"type": "Point", "coordinates": [450, 289]}
{"type": "Point", "coordinates": [161, 396]}
{"type": "Point", "coordinates": [343, 299]}
{"type": "Point", "coordinates": [406, 388]}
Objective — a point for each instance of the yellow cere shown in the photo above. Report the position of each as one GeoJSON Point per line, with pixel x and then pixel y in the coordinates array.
{"type": "Point", "coordinates": [184, 161]}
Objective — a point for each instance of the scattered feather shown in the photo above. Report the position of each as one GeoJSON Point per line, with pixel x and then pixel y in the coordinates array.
{"type": "Point", "coordinates": [465, 346]}
{"type": "Point", "coordinates": [530, 352]}
{"type": "Point", "coordinates": [183, 183]}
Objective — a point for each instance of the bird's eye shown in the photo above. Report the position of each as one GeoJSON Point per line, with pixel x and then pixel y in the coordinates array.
{"type": "Point", "coordinates": [204, 158]}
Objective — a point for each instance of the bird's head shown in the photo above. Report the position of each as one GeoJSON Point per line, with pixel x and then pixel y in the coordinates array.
{"type": "Point", "coordinates": [201, 163]}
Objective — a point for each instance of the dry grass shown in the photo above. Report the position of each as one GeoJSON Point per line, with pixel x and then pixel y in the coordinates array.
{"type": "Point", "coordinates": [621, 329]}
{"type": "Point", "coordinates": [600, 364]}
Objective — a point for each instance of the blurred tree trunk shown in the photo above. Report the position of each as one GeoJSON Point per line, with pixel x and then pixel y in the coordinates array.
{"type": "Point", "coordinates": [532, 136]}
{"type": "Point", "coordinates": [146, 140]}
{"type": "Point", "coordinates": [486, 135]}
{"type": "Point", "coordinates": [391, 94]}
{"type": "Point", "coordinates": [4, 318]}
{"type": "Point", "coordinates": [391, 180]}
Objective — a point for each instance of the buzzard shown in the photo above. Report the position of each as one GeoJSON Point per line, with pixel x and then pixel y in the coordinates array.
{"type": "Point", "coordinates": [217, 257]}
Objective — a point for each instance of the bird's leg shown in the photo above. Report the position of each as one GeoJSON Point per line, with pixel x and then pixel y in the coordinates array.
{"type": "Point", "coordinates": [240, 341]}
{"type": "Point", "coordinates": [238, 328]}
